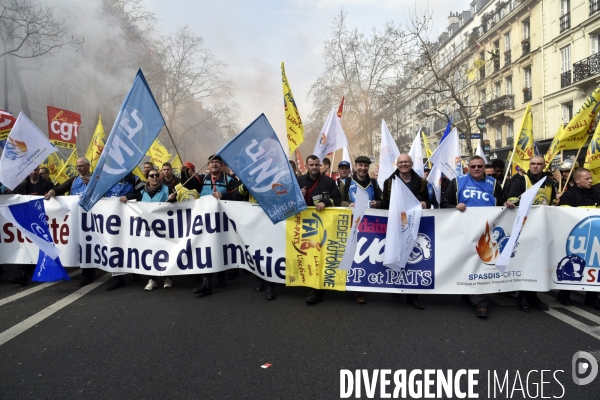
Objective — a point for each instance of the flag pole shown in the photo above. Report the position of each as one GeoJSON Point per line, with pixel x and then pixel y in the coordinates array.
{"type": "Point", "coordinates": [196, 173]}
{"type": "Point", "coordinates": [570, 171]}
{"type": "Point", "coordinates": [173, 141]}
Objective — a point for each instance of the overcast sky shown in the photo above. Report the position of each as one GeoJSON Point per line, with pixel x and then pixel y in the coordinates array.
{"type": "Point", "coordinates": [254, 37]}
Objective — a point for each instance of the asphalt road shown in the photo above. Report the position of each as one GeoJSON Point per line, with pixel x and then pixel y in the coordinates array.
{"type": "Point", "coordinates": [131, 344]}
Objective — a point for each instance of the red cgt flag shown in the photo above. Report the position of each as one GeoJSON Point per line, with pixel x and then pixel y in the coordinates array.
{"type": "Point", "coordinates": [63, 126]}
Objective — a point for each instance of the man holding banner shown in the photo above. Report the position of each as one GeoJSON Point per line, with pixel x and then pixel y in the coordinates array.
{"type": "Point", "coordinates": [319, 191]}
{"type": "Point", "coordinates": [546, 195]}
{"type": "Point", "coordinates": [580, 195]}
{"type": "Point", "coordinates": [474, 190]}
{"type": "Point", "coordinates": [418, 187]}
{"type": "Point", "coordinates": [76, 187]}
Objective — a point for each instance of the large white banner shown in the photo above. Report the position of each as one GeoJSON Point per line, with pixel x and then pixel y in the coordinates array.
{"type": "Point", "coordinates": [558, 248]}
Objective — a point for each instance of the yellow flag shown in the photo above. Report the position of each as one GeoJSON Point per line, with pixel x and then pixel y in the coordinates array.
{"type": "Point", "coordinates": [315, 247]}
{"type": "Point", "coordinates": [68, 170]}
{"type": "Point", "coordinates": [96, 146]}
{"type": "Point", "coordinates": [158, 153]}
{"type": "Point", "coordinates": [176, 165]}
{"type": "Point", "coordinates": [137, 171]}
{"type": "Point", "coordinates": [592, 158]}
{"type": "Point", "coordinates": [293, 123]}
{"type": "Point", "coordinates": [577, 131]}
{"type": "Point", "coordinates": [55, 164]}
{"type": "Point", "coordinates": [551, 153]}
{"type": "Point", "coordinates": [524, 148]}
{"type": "Point", "coordinates": [428, 151]}
{"type": "Point", "coordinates": [184, 194]}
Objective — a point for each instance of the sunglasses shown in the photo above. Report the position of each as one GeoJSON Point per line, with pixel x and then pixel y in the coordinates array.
{"type": "Point", "coordinates": [153, 176]}
{"type": "Point", "coordinates": [475, 166]}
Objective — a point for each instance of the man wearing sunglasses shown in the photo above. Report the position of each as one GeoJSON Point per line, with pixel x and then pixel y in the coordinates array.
{"type": "Point", "coordinates": [474, 190]}
{"type": "Point", "coordinates": [546, 195]}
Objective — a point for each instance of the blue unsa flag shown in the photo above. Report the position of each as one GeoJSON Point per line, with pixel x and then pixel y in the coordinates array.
{"type": "Point", "coordinates": [137, 125]}
{"type": "Point", "coordinates": [30, 218]}
{"type": "Point", "coordinates": [258, 159]}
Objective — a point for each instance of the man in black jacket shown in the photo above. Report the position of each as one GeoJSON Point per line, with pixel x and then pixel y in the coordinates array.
{"type": "Point", "coordinates": [582, 195]}
{"type": "Point", "coordinates": [546, 195]}
{"type": "Point", "coordinates": [418, 187]}
{"type": "Point", "coordinates": [319, 191]}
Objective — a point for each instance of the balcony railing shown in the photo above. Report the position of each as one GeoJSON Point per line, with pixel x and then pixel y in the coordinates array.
{"type": "Point", "coordinates": [587, 67]}
{"type": "Point", "coordinates": [507, 58]}
{"type": "Point", "coordinates": [565, 22]}
{"type": "Point", "coordinates": [594, 7]}
{"type": "Point", "coordinates": [565, 79]}
{"type": "Point", "coordinates": [510, 140]}
{"type": "Point", "coordinates": [527, 95]}
{"type": "Point", "coordinates": [498, 143]}
{"type": "Point", "coordinates": [525, 46]}
{"type": "Point", "coordinates": [506, 102]}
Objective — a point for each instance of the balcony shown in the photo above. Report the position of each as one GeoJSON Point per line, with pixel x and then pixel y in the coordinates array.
{"type": "Point", "coordinates": [506, 102]}
{"type": "Point", "coordinates": [565, 22]}
{"type": "Point", "coordinates": [498, 143]}
{"type": "Point", "coordinates": [527, 95]}
{"type": "Point", "coordinates": [587, 67]}
{"type": "Point", "coordinates": [510, 140]}
{"type": "Point", "coordinates": [525, 46]}
{"type": "Point", "coordinates": [507, 59]}
{"type": "Point", "coordinates": [594, 7]}
{"type": "Point", "coordinates": [565, 79]}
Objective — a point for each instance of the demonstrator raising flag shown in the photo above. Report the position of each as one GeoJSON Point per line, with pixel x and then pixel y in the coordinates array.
{"type": "Point", "coordinates": [137, 125]}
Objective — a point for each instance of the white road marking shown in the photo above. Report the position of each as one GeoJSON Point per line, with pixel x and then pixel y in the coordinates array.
{"type": "Point", "coordinates": [37, 288]}
{"type": "Point", "coordinates": [553, 303]}
{"type": "Point", "coordinates": [48, 311]}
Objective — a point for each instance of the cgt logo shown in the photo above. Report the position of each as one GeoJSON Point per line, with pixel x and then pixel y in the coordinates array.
{"type": "Point", "coordinates": [313, 235]}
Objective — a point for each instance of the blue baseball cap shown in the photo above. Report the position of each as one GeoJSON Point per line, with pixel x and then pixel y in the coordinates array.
{"type": "Point", "coordinates": [344, 164]}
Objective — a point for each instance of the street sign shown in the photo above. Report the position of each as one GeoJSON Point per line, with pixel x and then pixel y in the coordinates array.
{"type": "Point", "coordinates": [486, 148]}
{"type": "Point", "coordinates": [481, 122]}
{"type": "Point", "coordinates": [476, 135]}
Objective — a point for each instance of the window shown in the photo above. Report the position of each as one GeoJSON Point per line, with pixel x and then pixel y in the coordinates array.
{"type": "Point", "coordinates": [526, 29]}
{"type": "Point", "coordinates": [482, 96]}
{"type": "Point", "coordinates": [527, 77]}
{"type": "Point", "coordinates": [565, 56]}
{"type": "Point", "coordinates": [594, 43]}
{"type": "Point", "coordinates": [497, 89]}
{"type": "Point", "coordinates": [508, 85]}
{"type": "Point", "coordinates": [507, 41]}
{"type": "Point", "coordinates": [564, 7]}
{"type": "Point", "coordinates": [567, 112]}
{"type": "Point", "coordinates": [509, 130]}
{"type": "Point", "coordinates": [499, 132]}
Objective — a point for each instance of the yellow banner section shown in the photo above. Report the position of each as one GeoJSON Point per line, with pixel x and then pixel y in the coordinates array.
{"type": "Point", "coordinates": [524, 149]}
{"type": "Point", "coordinates": [94, 150]}
{"type": "Point", "coordinates": [592, 158]}
{"type": "Point", "coordinates": [315, 244]}
{"type": "Point", "coordinates": [158, 153]}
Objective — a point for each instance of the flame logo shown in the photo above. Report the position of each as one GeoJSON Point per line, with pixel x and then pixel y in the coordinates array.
{"type": "Point", "coordinates": [15, 149]}
{"type": "Point", "coordinates": [486, 248]}
{"type": "Point", "coordinates": [323, 139]}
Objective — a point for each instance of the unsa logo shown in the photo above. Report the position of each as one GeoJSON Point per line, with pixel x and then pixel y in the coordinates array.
{"type": "Point", "coordinates": [584, 241]}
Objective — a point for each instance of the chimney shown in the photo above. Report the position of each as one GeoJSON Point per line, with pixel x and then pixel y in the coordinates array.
{"type": "Point", "coordinates": [453, 18]}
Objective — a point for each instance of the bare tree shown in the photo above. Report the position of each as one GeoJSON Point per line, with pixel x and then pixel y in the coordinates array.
{"type": "Point", "coordinates": [359, 67]}
{"type": "Point", "coordinates": [443, 77]}
{"type": "Point", "coordinates": [192, 73]}
{"type": "Point", "coordinates": [29, 30]}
